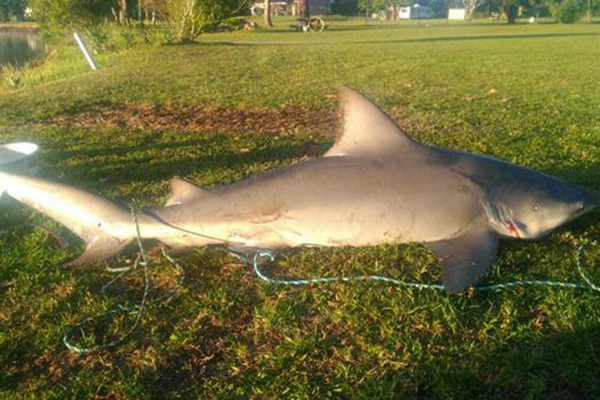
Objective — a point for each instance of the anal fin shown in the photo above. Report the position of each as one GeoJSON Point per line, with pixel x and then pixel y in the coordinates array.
{"type": "Point", "coordinates": [99, 249]}
{"type": "Point", "coordinates": [466, 258]}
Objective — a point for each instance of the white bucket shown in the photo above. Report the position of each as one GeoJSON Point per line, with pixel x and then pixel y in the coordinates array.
{"type": "Point", "coordinates": [17, 157]}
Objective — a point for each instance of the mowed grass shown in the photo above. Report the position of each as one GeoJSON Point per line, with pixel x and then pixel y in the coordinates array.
{"type": "Point", "coordinates": [527, 93]}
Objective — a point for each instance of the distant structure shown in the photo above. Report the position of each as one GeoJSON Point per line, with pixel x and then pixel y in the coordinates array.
{"type": "Point", "coordinates": [415, 12]}
{"type": "Point", "coordinates": [290, 7]}
{"type": "Point", "coordinates": [457, 13]}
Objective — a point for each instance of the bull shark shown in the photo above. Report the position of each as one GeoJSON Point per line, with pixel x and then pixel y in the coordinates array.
{"type": "Point", "coordinates": [374, 186]}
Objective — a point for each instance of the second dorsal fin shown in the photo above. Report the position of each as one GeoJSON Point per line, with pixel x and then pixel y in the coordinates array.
{"type": "Point", "coordinates": [184, 192]}
{"type": "Point", "coordinates": [367, 130]}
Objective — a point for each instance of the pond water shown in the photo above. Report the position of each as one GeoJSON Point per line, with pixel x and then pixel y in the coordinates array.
{"type": "Point", "coordinates": [18, 46]}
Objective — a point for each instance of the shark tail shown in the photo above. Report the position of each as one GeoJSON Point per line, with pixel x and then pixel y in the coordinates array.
{"type": "Point", "coordinates": [4, 185]}
{"type": "Point", "coordinates": [105, 226]}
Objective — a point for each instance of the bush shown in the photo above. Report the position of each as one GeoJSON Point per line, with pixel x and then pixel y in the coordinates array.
{"type": "Point", "coordinates": [10, 76]}
{"type": "Point", "coordinates": [230, 24]}
{"type": "Point", "coordinates": [157, 36]}
{"type": "Point", "coordinates": [105, 38]}
{"type": "Point", "coordinates": [54, 16]}
{"type": "Point", "coordinates": [345, 7]}
{"type": "Point", "coordinates": [187, 19]}
{"type": "Point", "coordinates": [98, 38]}
{"type": "Point", "coordinates": [567, 11]}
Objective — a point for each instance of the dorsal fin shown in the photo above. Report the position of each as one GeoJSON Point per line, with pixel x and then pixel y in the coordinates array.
{"type": "Point", "coordinates": [184, 192]}
{"type": "Point", "coordinates": [367, 130]}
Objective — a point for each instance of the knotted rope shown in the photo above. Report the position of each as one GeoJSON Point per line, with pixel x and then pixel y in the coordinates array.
{"type": "Point", "coordinates": [137, 309]}
{"type": "Point", "coordinates": [142, 260]}
{"type": "Point", "coordinates": [262, 253]}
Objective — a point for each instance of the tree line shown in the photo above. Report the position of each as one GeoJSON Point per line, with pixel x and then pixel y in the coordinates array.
{"type": "Point", "coordinates": [12, 9]}
{"type": "Point", "coordinates": [185, 19]}
{"type": "Point", "coordinates": [567, 11]}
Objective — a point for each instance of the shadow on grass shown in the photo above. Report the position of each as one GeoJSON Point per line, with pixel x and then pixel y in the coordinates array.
{"type": "Point", "coordinates": [407, 40]}
{"type": "Point", "coordinates": [181, 366]}
{"type": "Point", "coordinates": [148, 168]}
{"type": "Point", "coordinates": [559, 365]}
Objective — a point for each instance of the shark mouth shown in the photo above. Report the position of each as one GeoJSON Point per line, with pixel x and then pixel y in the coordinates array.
{"type": "Point", "coordinates": [512, 228]}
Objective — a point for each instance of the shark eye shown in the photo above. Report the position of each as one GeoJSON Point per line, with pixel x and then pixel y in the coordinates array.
{"type": "Point", "coordinates": [535, 207]}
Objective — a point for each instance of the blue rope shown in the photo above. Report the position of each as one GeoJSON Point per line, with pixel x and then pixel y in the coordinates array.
{"type": "Point", "coordinates": [138, 309]}
{"type": "Point", "coordinates": [264, 253]}
{"type": "Point", "coordinates": [142, 260]}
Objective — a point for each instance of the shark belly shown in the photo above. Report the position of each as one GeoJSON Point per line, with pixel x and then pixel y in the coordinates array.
{"type": "Point", "coordinates": [331, 202]}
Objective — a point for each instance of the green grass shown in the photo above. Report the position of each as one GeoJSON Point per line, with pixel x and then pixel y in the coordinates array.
{"type": "Point", "coordinates": [526, 93]}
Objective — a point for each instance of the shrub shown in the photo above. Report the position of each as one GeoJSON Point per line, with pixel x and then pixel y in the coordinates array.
{"type": "Point", "coordinates": [10, 76]}
{"type": "Point", "coordinates": [56, 15]}
{"type": "Point", "coordinates": [187, 19]}
{"type": "Point", "coordinates": [567, 11]}
{"type": "Point", "coordinates": [98, 39]}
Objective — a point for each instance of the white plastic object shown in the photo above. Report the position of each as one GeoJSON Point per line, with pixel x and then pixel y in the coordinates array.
{"type": "Point", "coordinates": [17, 157]}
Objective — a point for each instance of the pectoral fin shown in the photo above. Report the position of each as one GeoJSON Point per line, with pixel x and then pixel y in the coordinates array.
{"type": "Point", "coordinates": [466, 258]}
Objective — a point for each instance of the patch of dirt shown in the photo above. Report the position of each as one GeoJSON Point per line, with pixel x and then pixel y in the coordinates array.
{"type": "Point", "coordinates": [283, 121]}
{"type": "Point", "coordinates": [198, 119]}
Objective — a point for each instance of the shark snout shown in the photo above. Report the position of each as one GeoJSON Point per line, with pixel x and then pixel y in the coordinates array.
{"type": "Point", "coordinates": [590, 201]}
{"type": "Point", "coordinates": [586, 202]}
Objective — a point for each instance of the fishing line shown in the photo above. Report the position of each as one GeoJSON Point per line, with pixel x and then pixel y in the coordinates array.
{"type": "Point", "coordinates": [254, 261]}
{"type": "Point", "coordinates": [137, 309]}
{"type": "Point", "coordinates": [194, 233]}
{"type": "Point", "coordinates": [263, 253]}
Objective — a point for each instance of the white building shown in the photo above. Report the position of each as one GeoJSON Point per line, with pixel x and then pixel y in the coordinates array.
{"type": "Point", "coordinates": [457, 13]}
{"type": "Point", "coordinates": [415, 12]}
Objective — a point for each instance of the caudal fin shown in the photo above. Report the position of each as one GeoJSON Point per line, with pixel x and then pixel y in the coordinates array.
{"type": "Point", "coordinates": [106, 227]}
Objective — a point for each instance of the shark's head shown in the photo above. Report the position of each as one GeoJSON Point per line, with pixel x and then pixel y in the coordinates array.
{"type": "Point", "coordinates": [526, 204]}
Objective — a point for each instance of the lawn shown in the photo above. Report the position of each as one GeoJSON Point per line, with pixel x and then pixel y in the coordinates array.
{"type": "Point", "coordinates": [236, 104]}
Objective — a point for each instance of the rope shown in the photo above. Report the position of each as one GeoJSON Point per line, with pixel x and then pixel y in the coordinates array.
{"type": "Point", "coordinates": [142, 259]}
{"type": "Point", "coordinates": [138, 309]}
{"type": "Point", "coordinates": [263, 253]}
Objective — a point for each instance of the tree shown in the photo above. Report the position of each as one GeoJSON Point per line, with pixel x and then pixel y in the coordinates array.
{"type": "Point", "coordinates": [303, 10]}
{"type": "Point", "coordinates": [470, 6]}
{"type": "Point", "coordinates": [123, 12]}
{"type": "Point", "coordinates": [344, 7]}
{"type": "Point", "coordinates": [140, 8]}
{"type": "Point", "coordinates": [536, 6]}
{"type": "Point", "coordinates": [593, 9]}
{"type": "Point", "coordinates": [510, 8]}
{"type": "Point", "coordinates": [5, 10]}
{"type": "Point", "coordinates": [267, 11]}
{"type": "Point", "coordinates": [567, 11]}
{"type": "Point", "coordinates": [187, 19]}
{"type": "Point", "coordinates": [56, 15]}
{"type": "Point", "coordinates": [388, 6]}
{"type": "Point", "coordinates": [439, 8]}
{"type": "Point", "coordinates": [18, 8]}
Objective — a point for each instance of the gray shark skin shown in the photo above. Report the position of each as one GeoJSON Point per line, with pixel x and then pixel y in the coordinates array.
{"type": "Point", "coordinates": [374, 186]}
